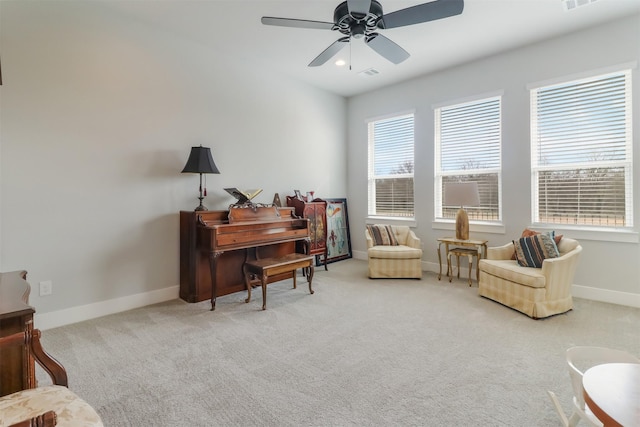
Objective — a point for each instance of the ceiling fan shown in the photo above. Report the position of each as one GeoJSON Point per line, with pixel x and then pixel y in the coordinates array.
{"type": "Point", "coordinates": [363, 18]}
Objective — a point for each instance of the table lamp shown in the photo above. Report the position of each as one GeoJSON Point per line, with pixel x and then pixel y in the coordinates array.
{"type": "Point", "coordinates": [200, 161]}
{"type": "Point", "coordinates": [461, 194]}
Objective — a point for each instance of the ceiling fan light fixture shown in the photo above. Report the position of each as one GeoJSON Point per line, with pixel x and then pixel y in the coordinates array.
{"type": "Point", "coordinates": [358, 31]}
{"type": "Point", "coordinates": [341, 62]}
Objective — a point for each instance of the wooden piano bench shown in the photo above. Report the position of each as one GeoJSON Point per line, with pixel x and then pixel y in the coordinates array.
{"type": "Point", "coordinates": [263, 269]}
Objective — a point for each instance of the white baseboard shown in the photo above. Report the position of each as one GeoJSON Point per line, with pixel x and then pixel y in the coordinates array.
{"type": "Point", "coordinates": [606, 295]}
{"type": "Point", "coordinates": [360, 255]}
{"type": "Point", "coordinates": [585, 292]}
{"type": "Point", "coordinates": [71, 315]}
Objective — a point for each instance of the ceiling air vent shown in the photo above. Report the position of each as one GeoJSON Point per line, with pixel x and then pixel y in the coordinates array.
{"type": "Point", "coordinates": [572, 4]}
{"type": "Point", "coordinates": [369, 72]}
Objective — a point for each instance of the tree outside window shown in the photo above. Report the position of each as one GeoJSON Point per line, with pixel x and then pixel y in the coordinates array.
{"type": "Point", "coordinates": [391, 165]}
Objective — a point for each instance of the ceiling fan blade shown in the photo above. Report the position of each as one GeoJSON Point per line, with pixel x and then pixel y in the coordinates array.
{"type": "Point", "coordinates": [359, 7]}
{"type": "Point", "coordinates": [422, 13]}
{"type": "Point", "coordinates": [386, 48]}
{"type": "Point", "coordinates": [329, 52]}
{"type": "Point", "coordinates": [297, 23]}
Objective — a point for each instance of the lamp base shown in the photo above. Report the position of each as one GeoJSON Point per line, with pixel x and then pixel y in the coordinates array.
{"type": "Point", "coordinates": [201, 207]}
{"type": "Point", "coordinates": [462, 225]}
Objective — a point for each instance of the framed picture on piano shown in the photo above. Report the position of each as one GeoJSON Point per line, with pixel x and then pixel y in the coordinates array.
{"type": "Point", "coordinates": [338, 236]}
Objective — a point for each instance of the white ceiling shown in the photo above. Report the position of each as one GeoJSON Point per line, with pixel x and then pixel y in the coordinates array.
{"type": "Point", "coordinates": [232, 29]}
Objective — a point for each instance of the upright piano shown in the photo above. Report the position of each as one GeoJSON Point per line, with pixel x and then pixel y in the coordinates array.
{"type": "Point", "coordinates": [214, 245]}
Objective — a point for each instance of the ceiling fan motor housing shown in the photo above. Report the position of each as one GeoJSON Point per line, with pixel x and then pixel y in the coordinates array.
{"type": "Point", "coordinates": [356, 24]}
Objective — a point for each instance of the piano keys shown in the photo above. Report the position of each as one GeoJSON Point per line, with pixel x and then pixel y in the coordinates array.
{"type": "Point", "coordinates": [214, 245]}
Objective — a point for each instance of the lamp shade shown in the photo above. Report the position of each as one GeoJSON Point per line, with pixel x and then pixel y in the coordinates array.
{"type": "Point", "coordinates": [461, 194]}
{"type": "Point", "coordinates": [200, 161]}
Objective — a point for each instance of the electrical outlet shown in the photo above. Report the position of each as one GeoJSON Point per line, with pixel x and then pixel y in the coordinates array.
{"type": "Point", "coordinates": [46, 288]}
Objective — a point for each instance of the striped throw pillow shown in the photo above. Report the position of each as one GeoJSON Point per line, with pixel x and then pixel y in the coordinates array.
{"type": "Point", "coordinates": [532, 250]}
{"type": "Point", "coordinates": [382, 235]}
{"type": "Point", "coordinates": [527, 233]}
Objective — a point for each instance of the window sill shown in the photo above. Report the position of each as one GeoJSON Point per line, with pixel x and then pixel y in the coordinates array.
{"type": "Point", "coordinates": [411, 222]}
{"type": "Point", "coordinates": [618, 235]}
{"type": "Point", "coordinates": [477, 227]}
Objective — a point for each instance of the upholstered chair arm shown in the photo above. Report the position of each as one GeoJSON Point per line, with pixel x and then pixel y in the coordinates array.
{"type": "Point", "coordinates": [412, 240]}
{"type": "Point", "coordinates": [369, 239]}
{"type": "Point", "coordinates": [501, 252]}
{"type": "Point", "coordinates": [46, 405]}
{"type": "Point", "coordinates": [559, 273]}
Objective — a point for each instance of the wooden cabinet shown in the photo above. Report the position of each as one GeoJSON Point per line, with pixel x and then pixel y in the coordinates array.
{"type": "Point", "coordinates": [316, 212]}
{"type": "Point", "coordinates": [17, 371]}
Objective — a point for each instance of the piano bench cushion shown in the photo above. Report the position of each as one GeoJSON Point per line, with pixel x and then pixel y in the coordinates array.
{"type": "Point", "coordinates": [288, 262]}
{"type": "Point", "coordinates": [71, 410]}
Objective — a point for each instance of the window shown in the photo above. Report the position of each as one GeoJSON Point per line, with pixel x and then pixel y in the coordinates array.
{"type": "Point", "coordinates": [581, 146]}
{"type": "Point", "coordinates": [467, 143]}
{"type": "Point", "coordinates": [391, 163]}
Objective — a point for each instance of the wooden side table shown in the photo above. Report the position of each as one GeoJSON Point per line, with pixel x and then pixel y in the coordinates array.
{"type": "Point", "coordinates": [469, 248]}
{"type": "Point", "coordinates": [470, 253]}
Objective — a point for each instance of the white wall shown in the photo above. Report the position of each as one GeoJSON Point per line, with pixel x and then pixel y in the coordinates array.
{"type": "Point", "coordinates": [608, 270]}
{"type": "Point", "coordinates": [98, 115]}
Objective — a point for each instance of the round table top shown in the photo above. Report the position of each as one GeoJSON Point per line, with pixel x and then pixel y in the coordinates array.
{"type": "Point", "coordinates": [612, 392]}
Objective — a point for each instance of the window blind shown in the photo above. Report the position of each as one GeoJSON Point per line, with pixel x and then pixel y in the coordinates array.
{"type": "Point", "coordinates": [468, 148]}
{"type": "Point", "coordinates": [391, 164]}
{"type": "Point", "coordinates": [581, 152]}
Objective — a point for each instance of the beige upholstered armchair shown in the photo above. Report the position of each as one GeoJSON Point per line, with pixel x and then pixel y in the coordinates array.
{"type": "Point", "coordinates": [394, 252]}
{"type": "Point", "coordinates": [536, 292]}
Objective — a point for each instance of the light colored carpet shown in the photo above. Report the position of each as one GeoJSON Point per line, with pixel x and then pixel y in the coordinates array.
{"type": "Point", "coordinates": [358, 352]}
